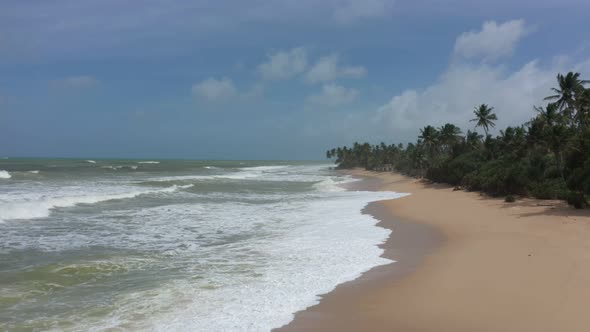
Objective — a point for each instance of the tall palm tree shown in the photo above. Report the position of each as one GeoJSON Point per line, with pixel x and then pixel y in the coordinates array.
{"type": "Point", "coordinates": [484, 117]}
{"type": "Point", "coordinates": [569, 86]}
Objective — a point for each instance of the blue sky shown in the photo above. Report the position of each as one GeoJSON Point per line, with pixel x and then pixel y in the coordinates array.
{"type": "Point", "coordinates": [270, 79]}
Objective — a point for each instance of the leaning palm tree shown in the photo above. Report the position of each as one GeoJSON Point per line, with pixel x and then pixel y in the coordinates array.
{"type": "Point", "coordinates": [484, 117]}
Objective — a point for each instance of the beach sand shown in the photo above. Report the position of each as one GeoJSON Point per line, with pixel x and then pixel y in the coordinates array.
{"type": "Point", "coordinates": [465, 262]}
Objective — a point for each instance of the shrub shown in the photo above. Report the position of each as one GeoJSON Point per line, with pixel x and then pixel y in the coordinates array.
{"type": "Point", "coordinates": [509, 199]}
{"type": "Point", "coordinates": [577, 200]}
{"type": "Point", "coordinates": [550, 189]}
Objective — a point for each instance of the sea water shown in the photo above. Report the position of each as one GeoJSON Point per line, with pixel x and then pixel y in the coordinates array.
{"type": "Point", "coordinates": [91, 245]}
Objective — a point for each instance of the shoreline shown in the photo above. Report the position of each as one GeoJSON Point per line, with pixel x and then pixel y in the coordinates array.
{"type": "Point", "coordinates": [407, 245]}
{"type": "Point", "coordinates": [464, 262]}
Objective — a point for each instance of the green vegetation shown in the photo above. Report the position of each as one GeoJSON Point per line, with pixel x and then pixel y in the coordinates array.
{"type": "Point", "coordinates": [548, 157]}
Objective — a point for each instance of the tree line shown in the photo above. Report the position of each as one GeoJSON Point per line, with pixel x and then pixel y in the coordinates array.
{"type": "Point", "coordinates": [547, 157]}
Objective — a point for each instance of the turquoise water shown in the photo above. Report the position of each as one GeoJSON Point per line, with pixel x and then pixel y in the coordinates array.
{"type": "Point", "coordinates": [175, 245]}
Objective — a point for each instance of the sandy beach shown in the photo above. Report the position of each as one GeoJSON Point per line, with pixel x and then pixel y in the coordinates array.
{"type": "Point", "coordinates": [465, 262]}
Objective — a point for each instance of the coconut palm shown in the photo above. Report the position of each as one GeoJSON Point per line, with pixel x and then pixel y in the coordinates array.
{"type": "Point", "coordinates": [449, 134]}
{"type": "Point", "coordinates": [549, 115]}
{"type": "Point", "coordinates": [473, 139]}
{"type": "Point", "coordinates": [569, 86]}
{"type": "Point", "coordinates": [484, 117]}
{"type": "Point", "coordinates": [429, 137]}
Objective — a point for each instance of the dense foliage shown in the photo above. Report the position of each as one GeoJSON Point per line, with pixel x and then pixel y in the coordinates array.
{"type": "Point", "coordinates": [547, 157]}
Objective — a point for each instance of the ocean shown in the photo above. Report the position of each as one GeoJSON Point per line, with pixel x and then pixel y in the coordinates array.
{"type": "Point", "coordinates": [162, 245]}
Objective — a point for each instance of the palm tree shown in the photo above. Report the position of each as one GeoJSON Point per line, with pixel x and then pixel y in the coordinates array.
{"type": "Point", "coordinates": [553, 132]}
{"type": "Point", "coordinates": [449, 134]}
{"type": "Point", "coordinates": [569, 86]}
{"type": "Point", "coordinates": [473, 139]}
{"type": "Point", "coordinates": [429, 137]}
{"type": "Point", "coordinates": [548, 115]}
{"type": "Point", "coordinates": [484, 117]}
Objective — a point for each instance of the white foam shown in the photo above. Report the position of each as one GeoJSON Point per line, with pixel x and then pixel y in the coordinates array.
{"type": "Point", "coordinates": [325, 242]}
{"type": "Point", "coordinates": [34, 172]}
{"type": "Point", "coordinates": [243, 261]}
{"type": "Point", "coordinates": [264, 168]}
{"type": "Point", "coordinates": [118, 167]}
{"type": "Point", "coordinates": [4, 175]}
{"type": "Point", "coordinates": [148, 162]}
{"type": "Point", "coordinates": [329, 185]}
{"type": "Point", "coordinates": [42, 207]}
{"type": "Point", "coordinates": [91, 161]}
{"type": "Point", "coordinates": [263, 172]}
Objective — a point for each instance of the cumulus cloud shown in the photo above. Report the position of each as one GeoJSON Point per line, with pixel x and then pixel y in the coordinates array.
{"type": "Point", "coordinates": [333, 95]}
{"type": "Point", "coordinates": [214, 89]}
{"type": "Point", "coordinates": [83, 81]}
{"type": "Point", "coordinates": [493, 41]}
{"type": "Point", "coordinates": [462, 87]}
{"type": "Point", "coordinates": [328, 69]}
{"type": "Point", "coordinates": [351, 10]}
{"type": "Point", "coordinates": [284, 64]}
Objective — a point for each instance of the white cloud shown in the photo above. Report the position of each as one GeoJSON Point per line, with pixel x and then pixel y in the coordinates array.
{"type": "Point", "coordinates": [284, 64]}
{"type": "Point", "coordinates": [351, 10]}
{"type": "Point", "coordinates": [462, 87]}
{"type": "Point", "coordinates": [465, 85]}
{"type": "Point", "coordinates": [214, 89]}
{"type": "Point", "coordinates": [83, 81]}
{"type": "Point", "coordinates": [493, 41]}
{"type": "Point", "coordinates": [333, 95]}
{"type": "Point", "coordinates": [327, 69]}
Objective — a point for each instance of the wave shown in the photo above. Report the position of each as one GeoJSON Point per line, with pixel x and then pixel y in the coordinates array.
{"type": "Point", "coordinates": [270, 173]}
{"type": "Point", "coordinates": [264, 168]}
{"type": "Point", "coordinates": [235, 176]}
{"type": "Point", "coordinates": [329, 185]}
{"type": "Point", "coordinates": [42, 208]}
{"type": "Point", "coordinates": [148, 162]}
{"type": "Point", "coordinates": [90, 161]}
{"type": "Point", "coordinates": [34, 172]}
{"type": "Point", "coordinates": [5, 175]}
{"type": "Point", "coordinates": [134, 167]}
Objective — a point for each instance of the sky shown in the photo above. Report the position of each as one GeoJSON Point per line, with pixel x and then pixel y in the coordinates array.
{"type": "Point", "coordinates": [270, 79]}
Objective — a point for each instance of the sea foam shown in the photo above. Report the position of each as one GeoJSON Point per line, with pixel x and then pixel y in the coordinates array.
{"type": "Point", "coordinates": [4, 175]}
{"type": "Point", "coordinates": [208, 259]}
{"type": "Point", "coordinates": [42, 208]}
{"type": "Point", "coordinates": [329, 242]}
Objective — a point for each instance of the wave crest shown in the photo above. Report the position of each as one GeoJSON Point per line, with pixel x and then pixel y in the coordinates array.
{"type": "Point", "coordinates": [42, 208]}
